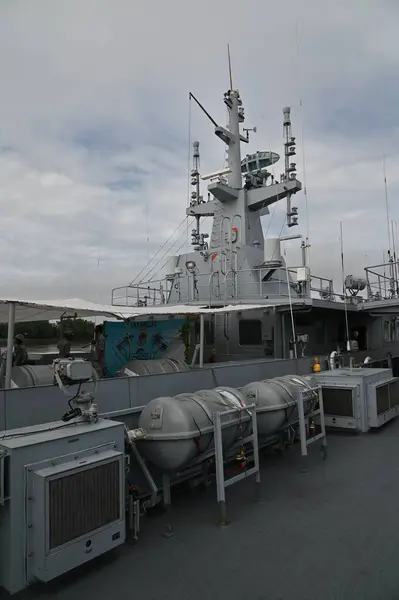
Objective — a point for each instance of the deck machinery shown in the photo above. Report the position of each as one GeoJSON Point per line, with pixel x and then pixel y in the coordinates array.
{"type": "Point", "coordinates": [69, 489]}
{"type": "Point", "coordinates": [359, 398]}
{"type": "Point", "coordinates": [74, 489]}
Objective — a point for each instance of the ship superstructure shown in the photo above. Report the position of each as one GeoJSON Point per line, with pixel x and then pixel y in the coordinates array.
{"type": "Point", "coordinates": [238, 264]}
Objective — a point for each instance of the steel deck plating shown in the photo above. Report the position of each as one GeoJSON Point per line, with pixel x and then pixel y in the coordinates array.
{"type": "Point", "coordinates": [325, 529]}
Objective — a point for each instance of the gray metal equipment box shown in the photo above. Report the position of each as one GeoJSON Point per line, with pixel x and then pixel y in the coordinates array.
{"type": "Point", "coordinates": [357, 398]}
{"type": "Point", "coordinates": [61, 498]}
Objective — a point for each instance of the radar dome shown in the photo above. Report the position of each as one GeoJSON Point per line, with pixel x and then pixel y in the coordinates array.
{"type": "Point", "coordinates": [258, 161]}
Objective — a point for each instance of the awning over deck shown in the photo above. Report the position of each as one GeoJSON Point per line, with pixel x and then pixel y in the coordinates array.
{"type": "Point", "coordinates": [43, 310]}
{"type": "Point", "coordinates": [13, 310]}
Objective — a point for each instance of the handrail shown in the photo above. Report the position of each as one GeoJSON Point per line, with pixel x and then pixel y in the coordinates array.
{"type": "Point", "coordinates": [157, 292]}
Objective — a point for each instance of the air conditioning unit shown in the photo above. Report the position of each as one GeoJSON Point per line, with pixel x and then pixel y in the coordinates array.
{"type": "Point", "coordinates": [61, 498]}
{"type": "Point", "coordinates": [359, 399]}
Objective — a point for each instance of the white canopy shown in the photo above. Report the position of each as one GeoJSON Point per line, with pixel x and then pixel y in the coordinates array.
{"type": "Point", "coordinates": [43, 310]}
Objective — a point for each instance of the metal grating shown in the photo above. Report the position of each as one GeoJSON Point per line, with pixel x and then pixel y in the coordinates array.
{"type": "Point", "coordinates": [83, 502]}
{"type": "Point", "coordinates": [394, 393]}
{"type": "Point", "coordinates": [382, 395]}
{"type": "Point", "coordinates": [338, 402]}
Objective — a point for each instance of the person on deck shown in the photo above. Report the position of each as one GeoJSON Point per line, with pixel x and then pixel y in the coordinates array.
{"type": "Point", "coordinates": [99, 349]}
{"type": "Point", "coordinates": [20, 354]}
{"type": "Point", "coordinates": [64, 344]}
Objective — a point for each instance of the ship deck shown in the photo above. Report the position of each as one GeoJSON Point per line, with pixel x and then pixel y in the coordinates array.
{"type": "Point", "coordinates": [324, 529]}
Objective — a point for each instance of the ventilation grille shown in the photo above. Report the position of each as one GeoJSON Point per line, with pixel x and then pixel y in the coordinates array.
{"type": "Point", "coordinates": [338, 402]}
{"type": "Point", "coordinates": [83, 502]}
{"type": "Point", "coordinates": [382, 395]}
{"type": "Point", "coordinates": [394, 393]}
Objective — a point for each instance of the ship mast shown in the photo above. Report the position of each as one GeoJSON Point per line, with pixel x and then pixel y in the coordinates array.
{"type": "Point", "coordinates": [243, 191]}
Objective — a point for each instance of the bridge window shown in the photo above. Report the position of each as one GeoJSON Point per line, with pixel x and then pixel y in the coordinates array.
{"type": "Point", "coordinates": [387, 331]}
{"type": "Point", "coordinates": [250, 332]}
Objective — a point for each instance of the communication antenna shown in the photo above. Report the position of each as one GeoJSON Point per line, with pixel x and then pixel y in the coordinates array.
{"type": "Point", "coordinates": [348, 343]}
{"type": "Point", "coordinates": [386, 201]}
{"type": "Point", "coordinates": [305, 187]}
{"type": "Point", "coordinates": [229, 59]}
{"type": "Point", "coordinates": [390, 241]}
{"type": "Point", "coordinates": [395, 263]}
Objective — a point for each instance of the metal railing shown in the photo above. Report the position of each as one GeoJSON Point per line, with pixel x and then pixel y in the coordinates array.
{"type": "Point", "coordinates": [138, 295]}
{"type": "Point", "coordinates": [383, 281]}
{"type": "Point", "coordinates": [248, 285]}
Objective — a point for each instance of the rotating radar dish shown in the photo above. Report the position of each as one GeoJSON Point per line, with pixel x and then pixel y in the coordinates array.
{"type": "Point", "coordinates": [258, 161]}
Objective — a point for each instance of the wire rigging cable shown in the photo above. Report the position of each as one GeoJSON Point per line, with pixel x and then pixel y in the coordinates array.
{"type": "Point", "coordinates": [158, 251]}
{"type": "Point", "coordinates": [178, 250]}
{"type": "Point", "coordinates": [183, 222]}
{"type": "Point", "coordinates": [168, 251]}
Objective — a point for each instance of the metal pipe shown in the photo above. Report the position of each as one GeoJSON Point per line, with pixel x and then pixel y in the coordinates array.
{"type": "Point", "coordinates": [225, 328]}
{"type": "Point", "coordinates": [10, 343]}
{"type": "Point", "coordinates": [275, 341]}
{"type": "Point", "coordinates": [303, 251]}
{"type": "Point", "coordinates": [283, 334]}
{"type": "Point", "coordinates": [202, 338]}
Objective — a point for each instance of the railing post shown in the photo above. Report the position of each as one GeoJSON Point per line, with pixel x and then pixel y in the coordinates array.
{"type": "Point", "coordinates": [202, 339]}
{"type": "Point", "coordinates": [10, 343]}
{"type": "Point", "coordinates": [302, 425]}
{"type": "Point", "coordinates": [221, 494]}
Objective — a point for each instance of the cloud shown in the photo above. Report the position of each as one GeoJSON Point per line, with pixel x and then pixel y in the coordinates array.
{"type": "Point", "coordinates": [95, 118]}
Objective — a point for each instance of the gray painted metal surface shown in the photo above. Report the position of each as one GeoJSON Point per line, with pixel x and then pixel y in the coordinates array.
{"type": "Point", "coordinates": [362, 385]}
{"type": "Point", "coordinates": [113, 394]}
{"type": "Point", "coordinates": [171, 384]}
{"type": "Point", "coordinates": [276, 401]}
{"type": "Point", "coordinates": [333, 506]}
{"type": "Point", "coordinates": [330, 515]}
{"type": "Point", "coordinates": [20, 558]}
{"type": "Point", "coordinates": [2, 410]}
{"type": "Point", "coordinates": [222, 479]}
{"type": "Point", "coordinates": [180, 429]}
{"type": "Point", "coordinates": [30, 406]}
{"type": "Point", "coordinates": [154, 367]}
{"type": "Point", "coordinates": [32, 375]}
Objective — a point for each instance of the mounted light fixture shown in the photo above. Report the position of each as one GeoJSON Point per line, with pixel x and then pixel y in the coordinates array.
{"type": "Point", "coordinates": [190, 266]}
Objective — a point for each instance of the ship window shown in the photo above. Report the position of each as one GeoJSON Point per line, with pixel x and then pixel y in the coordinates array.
{"type": "Point", "coordinates": [359, 335]}
{"type": "Point", "coordinates": [387, 331]}
{"type": "Point", "coordinates": [250, 332]}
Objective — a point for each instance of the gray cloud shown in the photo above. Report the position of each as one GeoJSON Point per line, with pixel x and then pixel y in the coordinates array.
{"type": "Point", "coordinates": [94, 127]}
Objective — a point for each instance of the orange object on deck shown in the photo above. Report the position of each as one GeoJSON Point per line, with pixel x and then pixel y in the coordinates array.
{"type": "Point", "coordinates": [316, 365]}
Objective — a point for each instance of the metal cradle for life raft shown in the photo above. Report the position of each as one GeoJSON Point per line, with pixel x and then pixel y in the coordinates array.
{"type": "Point", "coordinates": [180, 429]}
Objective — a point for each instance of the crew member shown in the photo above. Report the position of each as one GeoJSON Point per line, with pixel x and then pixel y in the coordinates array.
{"type": "Point", "coordinates": [64, 344]}
{"type": "Point", "coordinates": [20, 354]}
{"type": "Point", "coordinates": [99, 349]}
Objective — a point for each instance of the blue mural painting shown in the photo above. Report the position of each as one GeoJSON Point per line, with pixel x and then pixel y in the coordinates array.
{"type": "Point", "coordinates": [139, 340]}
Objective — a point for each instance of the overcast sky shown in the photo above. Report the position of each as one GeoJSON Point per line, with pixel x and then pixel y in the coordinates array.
{"type": "Point", "coordinates": [94, 127]}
